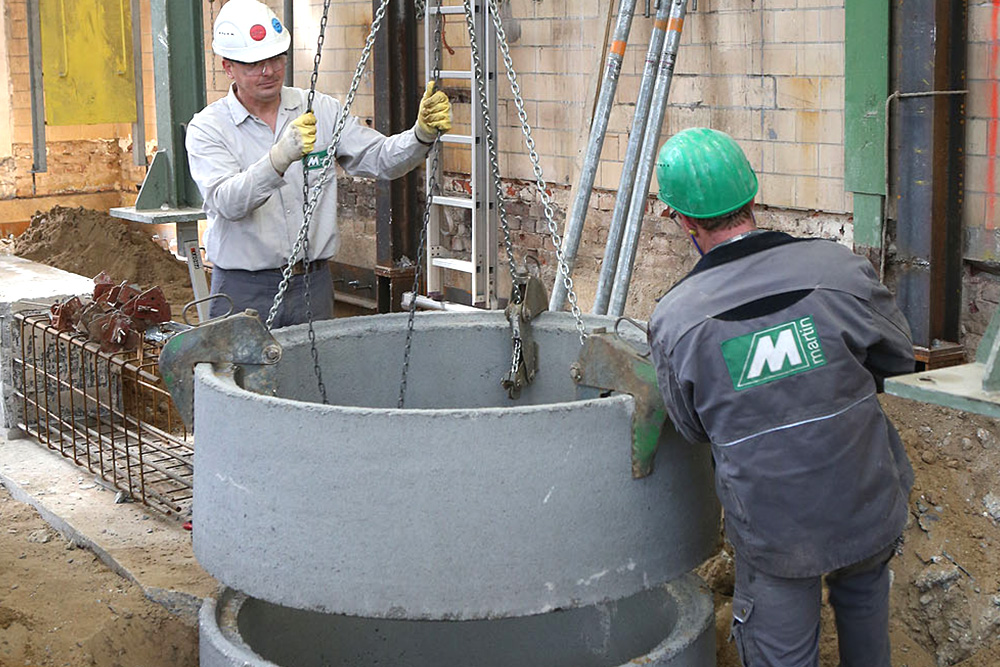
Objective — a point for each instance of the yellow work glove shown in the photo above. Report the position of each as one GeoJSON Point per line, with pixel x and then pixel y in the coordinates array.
{"type": "Point", "coordinates": [296, 141]}
{"type": "Point", "coordinates": [434, 116]}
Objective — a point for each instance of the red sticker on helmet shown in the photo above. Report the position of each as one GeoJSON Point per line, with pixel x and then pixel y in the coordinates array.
{"type": "Point", "coordinates": [258, 32]}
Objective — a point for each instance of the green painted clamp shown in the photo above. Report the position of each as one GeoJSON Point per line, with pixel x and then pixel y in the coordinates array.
{"type": "Point", "coordinates": [610, 363]}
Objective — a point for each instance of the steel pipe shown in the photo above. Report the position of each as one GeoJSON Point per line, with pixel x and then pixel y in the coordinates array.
{"type": "Point", "coordinates": [617, 228]}
{"type": "Point", "coordinates": [592, 158]}
{"type": "Point", "coordinates": [640, 192]}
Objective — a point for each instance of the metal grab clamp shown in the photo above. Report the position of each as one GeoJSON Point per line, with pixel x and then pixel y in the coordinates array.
{"type": "Point", "coordinates": [239, 339]}
{"type": "Point", "coordinates": [610, 363]}
{"type": "Point", "coordinates": [528, 299]}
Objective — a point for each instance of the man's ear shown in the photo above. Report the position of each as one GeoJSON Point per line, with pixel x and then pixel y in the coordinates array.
{"type": "Point", "coordinates": [688, 223]}
{"type": "Point", "coordinates": [227, 66]}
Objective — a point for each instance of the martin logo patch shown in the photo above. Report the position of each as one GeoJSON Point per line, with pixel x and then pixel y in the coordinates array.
{"type": "Point", "coordinates": [315, 160]}
{"type": "Point", "coordinates": [774, 353]}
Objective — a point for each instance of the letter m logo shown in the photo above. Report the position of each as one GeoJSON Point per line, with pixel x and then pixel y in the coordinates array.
{"type": "Point", "coordinates": [315, 160]}
{"type": "Point", "coordinates": [773, 353]}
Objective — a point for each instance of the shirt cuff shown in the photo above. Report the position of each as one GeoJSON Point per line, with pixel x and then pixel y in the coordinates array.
{"type": "Point", "coordinates": [416, 133]}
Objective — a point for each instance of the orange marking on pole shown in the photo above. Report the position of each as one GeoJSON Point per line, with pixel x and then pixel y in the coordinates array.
{"type": "Point", "coordinates": [675, 24]}
{"type": "Point", "coordinates": [660, 24]}
{"type": "Point", "coordinates": [618, 47]}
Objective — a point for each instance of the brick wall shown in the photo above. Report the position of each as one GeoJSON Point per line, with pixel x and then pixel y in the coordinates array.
{"type": "Point", "coordinates": [982, 199]}
{"type": "Point", "coordinates": [88, 165]}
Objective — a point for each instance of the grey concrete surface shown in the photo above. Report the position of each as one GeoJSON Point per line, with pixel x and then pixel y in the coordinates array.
{"type": "Point", "coordinates": [477, 508]}
{"type": "Point", "coordinates": [671, 625]}
{"type": "Point", "coordinates": [143, 546]}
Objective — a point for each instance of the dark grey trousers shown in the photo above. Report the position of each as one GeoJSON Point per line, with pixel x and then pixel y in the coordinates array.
{"type": "Point", "coordinates": [256, 290]}
{"type": "Point", "coordinates": [776, 620]}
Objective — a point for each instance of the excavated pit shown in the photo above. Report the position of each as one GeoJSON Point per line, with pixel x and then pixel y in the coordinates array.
{"type": "Point", "coordinates": [463, 522]}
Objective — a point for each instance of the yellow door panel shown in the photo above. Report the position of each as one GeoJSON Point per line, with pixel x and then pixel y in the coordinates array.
{"type": "Point", "coordinates": [87, 61]}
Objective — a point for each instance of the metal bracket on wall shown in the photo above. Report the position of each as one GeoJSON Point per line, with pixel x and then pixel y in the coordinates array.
{"type": "Point", "coordinates": [38, 162]}
{"type": "Point", "coordinates": [168, 193]}
{"type": "Point", "coordinates": [973, 387]}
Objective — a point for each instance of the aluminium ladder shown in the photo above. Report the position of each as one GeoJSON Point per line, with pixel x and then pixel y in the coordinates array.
{"type": "Point", "coordinates": [480, 263]}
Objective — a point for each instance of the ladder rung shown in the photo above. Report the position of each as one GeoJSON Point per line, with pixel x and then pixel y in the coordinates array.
{"type": "Point", "coordinates": [456, 139]}
{"type": "Point", "coordinates": [457, 202]}
{"type": "Point", "coordinates": [456, 9]}
{"type": "Point", "coordinates": [463, 74]}
{"type": "Point", "coordinates": [463, 265]}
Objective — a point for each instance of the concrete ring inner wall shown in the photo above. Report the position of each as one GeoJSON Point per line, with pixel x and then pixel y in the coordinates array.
{"type": "Point", "coordinates": [667, 625]}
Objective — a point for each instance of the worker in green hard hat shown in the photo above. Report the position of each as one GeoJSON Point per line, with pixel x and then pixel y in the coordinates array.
{"type": "Point", "coordinates": [773, 349]}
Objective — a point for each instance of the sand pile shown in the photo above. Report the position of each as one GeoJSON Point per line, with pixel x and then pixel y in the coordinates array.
{"type": "Point", "coordinates": [86, 242]}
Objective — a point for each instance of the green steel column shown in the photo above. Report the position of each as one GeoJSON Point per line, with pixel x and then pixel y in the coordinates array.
{"type": "Point", "coordinates": [866, 87]}
{"type": "Point", "coordinates": [179, 76]}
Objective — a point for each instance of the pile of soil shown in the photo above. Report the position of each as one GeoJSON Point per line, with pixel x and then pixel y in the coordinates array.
{"type": "Point", "coordinates": [86, 242]}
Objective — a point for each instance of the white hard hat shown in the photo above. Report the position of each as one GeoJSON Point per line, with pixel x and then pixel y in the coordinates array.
{"type": "Point", "coordinates": [248, 31]}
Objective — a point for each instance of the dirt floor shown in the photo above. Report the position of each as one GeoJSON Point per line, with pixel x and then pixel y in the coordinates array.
{"type": "Point", "coordinates": [61, 606]}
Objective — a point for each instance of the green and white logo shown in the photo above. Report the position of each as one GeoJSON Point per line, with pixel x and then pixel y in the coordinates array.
{"type": "Point", "coordinates": [773, 353]}
{"type": "Point", "coordinates": [315, 160]}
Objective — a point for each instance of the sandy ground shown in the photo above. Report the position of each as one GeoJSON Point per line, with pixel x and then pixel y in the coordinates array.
{"type": "Point", "coordinates": [59, 605]}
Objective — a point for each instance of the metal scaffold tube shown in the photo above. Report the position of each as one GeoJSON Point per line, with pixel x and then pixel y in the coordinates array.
{"type": "Point", "coordinates": [640, 192]}
{"type": "Point", "coordinates": [598, 129]}
{"type": "Point", "coordinates": [617, 228]}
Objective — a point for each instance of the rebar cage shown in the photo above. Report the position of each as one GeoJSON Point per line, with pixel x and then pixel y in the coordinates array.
{"type": "Point", "coordinates": [110, 413]}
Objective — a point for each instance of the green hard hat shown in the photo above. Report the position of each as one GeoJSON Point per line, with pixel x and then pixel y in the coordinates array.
{"type": "Point", "coordinates": [703, 173]}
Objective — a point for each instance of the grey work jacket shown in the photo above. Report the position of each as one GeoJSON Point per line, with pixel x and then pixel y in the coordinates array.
{"type": "Point", "coordinates": [772, 349]}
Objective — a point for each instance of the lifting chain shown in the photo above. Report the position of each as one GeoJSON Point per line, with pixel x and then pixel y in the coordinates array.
{"type": "Point", "coordinates": [491, 148]}
{"type": "Point", "coordinates": [540, 184]}
{"type": "Point", "coordinates": [314, 353]}
{"type": "Point", "coordinates": [311, 196]}
{"type": "Point", "coordinates": [432, 190]}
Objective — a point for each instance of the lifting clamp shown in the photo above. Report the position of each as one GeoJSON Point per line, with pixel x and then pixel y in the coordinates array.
{"type": "Point", "coordinates": [240, 340]}
{"type": "Point", "coordinates": [527, 300]}
{"type": "Point", "coordinates": [610, 363]}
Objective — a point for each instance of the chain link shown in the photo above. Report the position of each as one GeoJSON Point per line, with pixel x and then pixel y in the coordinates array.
{"type": "Point", "coordinates": [318, 55]}
{"type": "Point", "coordinates": [317, 371]}
{"type": "Point", "coordinates": [420, 9]}
{"type": "Point", "coordinates": [515, 358]}
{"type": "Point", "coordinates": [492, 150]}
{"type": "Point", "coordinates": [540, 184]}
{"type": "Point", "coordinates": [328, 162]}
{"type": "Point", "coordinates": [432, 189]}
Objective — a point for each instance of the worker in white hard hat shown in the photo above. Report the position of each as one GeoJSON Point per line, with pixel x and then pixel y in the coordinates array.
{"type": "Point", "coordinates": [246, 151]}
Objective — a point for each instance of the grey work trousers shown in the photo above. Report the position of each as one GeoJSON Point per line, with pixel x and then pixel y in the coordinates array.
{"type": "Point", "coordinates": [776, 620]}
{"type": "Point", "coordinates": [256, 290]}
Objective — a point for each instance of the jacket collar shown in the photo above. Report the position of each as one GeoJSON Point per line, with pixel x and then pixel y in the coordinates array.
{"type": "Point", "coordinates": [290, 101]}
{"type": "Point", "coordinates": [728, 252]}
